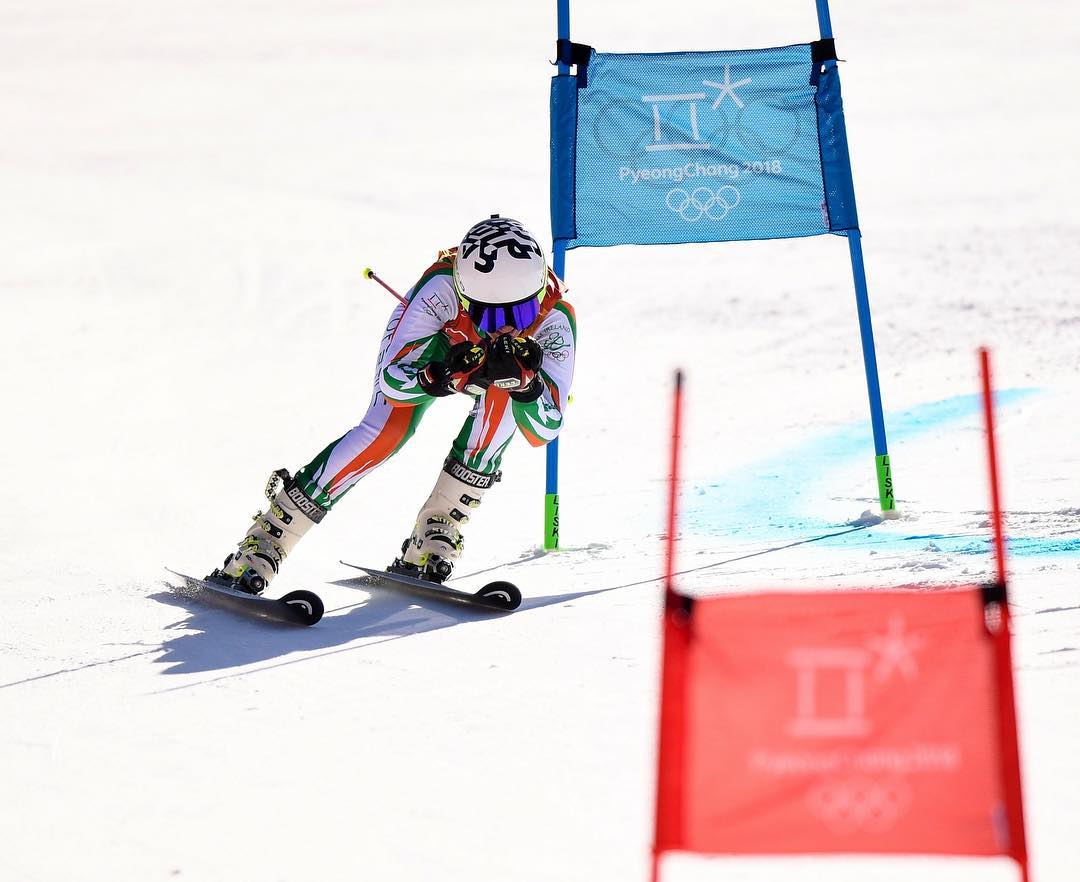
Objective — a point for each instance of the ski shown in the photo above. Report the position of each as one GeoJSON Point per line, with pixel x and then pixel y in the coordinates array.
{"type": "Point", "coordinates": [294, 608]}
{"type": "Point", "coordinates": [498, 596]}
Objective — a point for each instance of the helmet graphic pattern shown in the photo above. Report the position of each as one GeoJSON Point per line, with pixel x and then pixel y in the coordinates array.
{"type": "Point", "coordinates": [490, 239]}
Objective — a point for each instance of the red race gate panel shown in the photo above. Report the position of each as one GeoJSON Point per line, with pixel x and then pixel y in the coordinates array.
{"type": "Point", "coordinates": [868, 722]}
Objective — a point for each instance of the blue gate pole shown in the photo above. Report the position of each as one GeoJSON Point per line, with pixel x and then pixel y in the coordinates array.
{"type": "Point", "coordinates": [558, 264]}
{"type": "Point", "coordinates": [866, 330]}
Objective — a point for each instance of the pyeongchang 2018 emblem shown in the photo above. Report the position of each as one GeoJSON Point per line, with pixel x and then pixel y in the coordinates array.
{"type": "Point", "coordinates": [693, 204]}
{"type": "Point", "coordinates": [831, 683]}
{"type": "Point", "coordinates": [694, 149]}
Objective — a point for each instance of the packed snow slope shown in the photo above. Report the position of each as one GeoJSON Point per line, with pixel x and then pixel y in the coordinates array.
{"type": "Point", "coordinates": [190, 192]}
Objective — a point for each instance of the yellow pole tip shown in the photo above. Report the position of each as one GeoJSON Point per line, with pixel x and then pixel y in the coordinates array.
{"type": "Point", "coordinates": [368, 272]}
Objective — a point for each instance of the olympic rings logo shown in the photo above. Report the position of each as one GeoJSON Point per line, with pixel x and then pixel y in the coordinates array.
{"type": "Point", "coordinates": [852, 805]}
{"type": "Point", "coordinates": [703, 202]}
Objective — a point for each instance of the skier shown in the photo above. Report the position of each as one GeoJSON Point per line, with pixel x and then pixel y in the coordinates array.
{"type": "Point", "coordinates": [487, 319]}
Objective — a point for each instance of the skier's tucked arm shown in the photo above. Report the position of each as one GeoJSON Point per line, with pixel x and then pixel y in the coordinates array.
{"type": "Point", "coordinates": [400, 380]}
{"type": "Point", "coordinates": [540, 419]}
{"type": "Point", "coordinates": [416, 340]}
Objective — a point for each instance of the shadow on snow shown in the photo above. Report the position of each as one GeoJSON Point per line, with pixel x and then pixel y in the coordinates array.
{"type": "Point", "coordinates": [215, 639]}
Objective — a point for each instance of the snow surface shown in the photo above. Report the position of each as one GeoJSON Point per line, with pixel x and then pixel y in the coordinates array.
{"type": "Point", "coordinates": [190, 193]}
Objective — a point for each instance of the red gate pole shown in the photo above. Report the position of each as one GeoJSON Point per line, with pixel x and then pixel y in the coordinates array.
{"type": "Point", "coordinates": [1010, 748]}
{"type": "Point", "coordinates": [995, 494]}
{"type": "Point", "coordinates": [675, 638]}
{"type": "Point", "coordinates": [673, 481]}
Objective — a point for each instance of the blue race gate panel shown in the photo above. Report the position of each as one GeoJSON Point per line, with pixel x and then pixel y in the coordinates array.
{"type": "Point", "coordinates": [700, 147]}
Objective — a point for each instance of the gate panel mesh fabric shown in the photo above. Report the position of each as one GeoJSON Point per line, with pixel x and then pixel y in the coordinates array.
{"type": "Point", "coordinates": [699, 147]}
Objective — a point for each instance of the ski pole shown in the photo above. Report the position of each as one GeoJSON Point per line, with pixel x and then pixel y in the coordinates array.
{"type": "Point", "coordinates": [369, 273]}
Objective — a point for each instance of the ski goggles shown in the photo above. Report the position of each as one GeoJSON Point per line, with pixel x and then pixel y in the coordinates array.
{"type": "Point", "coordinates": [489, 318]}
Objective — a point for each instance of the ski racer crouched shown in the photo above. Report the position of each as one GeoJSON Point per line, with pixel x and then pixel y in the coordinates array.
{"type": "Point", "coordinates": [487, 319]}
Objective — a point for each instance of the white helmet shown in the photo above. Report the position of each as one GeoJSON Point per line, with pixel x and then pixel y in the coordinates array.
{"type": "Point", "coordinates": [500, 274]}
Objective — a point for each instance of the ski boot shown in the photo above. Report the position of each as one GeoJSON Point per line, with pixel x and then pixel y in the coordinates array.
{"type": "Point", "coordinates": [271, 538]}
{"type": "Point", "coordinates": [436, 541]}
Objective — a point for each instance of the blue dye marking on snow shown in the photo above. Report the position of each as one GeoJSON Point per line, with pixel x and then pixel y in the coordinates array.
{"type": "Point", "coordinates": [971, 543]}
{"type": "Point", "coordinates": [764, 503]}
{"type": "Point", "coordinates": [841, 446]}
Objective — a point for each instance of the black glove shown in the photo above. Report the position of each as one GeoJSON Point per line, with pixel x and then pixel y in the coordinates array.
{"type": "Point", "coordinates": [513, 364]}
{"type": "Point", "coordinates": [528, 352]}
{"type": "Point", "coordinates": [456, 372]}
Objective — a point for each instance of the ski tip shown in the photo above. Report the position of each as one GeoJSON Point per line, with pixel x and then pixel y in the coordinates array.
{"type": "Point", "coordinates": [501, 595]}
{"type": "Point", "coordinates": [307, 604]}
